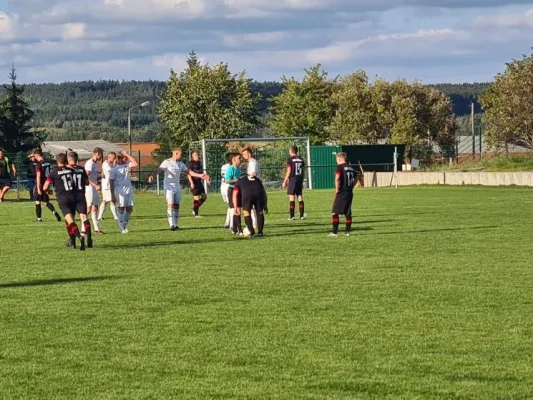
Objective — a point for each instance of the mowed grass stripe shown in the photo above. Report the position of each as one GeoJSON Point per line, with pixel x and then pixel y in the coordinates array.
{"type": "Point", "coordinates": [430, 298]}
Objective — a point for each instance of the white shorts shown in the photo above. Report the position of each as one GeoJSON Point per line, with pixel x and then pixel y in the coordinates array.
{"type": "Point", "coordinates": [91, 196]}
{"type": "Point", "coordinates": [124, 196]}
{"type": "Point", "coordinates": [224, 192]}
{"type": "Point", "coordinates": [106, 194]}
{"type": "Point", "coordinates": [173, 196]}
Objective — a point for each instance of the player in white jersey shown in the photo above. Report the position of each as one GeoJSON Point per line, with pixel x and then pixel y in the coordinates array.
{"type": "Point", "coordinates": [107, 196]}
{"type": "Point", "coordinates": [91, 191]}
{"type": "Point", "coordinates": [122, 189]}
{"type": "Point", "coordinates": [224, 191]}
{"type": "Point", "coordinates": [173, 168]}
{"type": "Point", "coordinates": [253, 172]}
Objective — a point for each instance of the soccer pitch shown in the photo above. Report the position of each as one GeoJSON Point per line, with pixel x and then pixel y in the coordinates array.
{"type": "Point", "coordinates": [430, 298]}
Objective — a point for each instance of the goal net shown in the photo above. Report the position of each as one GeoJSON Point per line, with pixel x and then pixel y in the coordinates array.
{"type": "Point", "coordinates": [270, 153]}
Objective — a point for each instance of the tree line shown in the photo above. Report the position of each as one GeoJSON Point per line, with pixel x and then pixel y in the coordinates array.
{"type": "Point", "coordinates": [210, 101]}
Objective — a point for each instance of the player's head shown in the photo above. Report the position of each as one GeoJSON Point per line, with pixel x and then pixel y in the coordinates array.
{"type": "Point", "coordinates": [229, 156]}
{"type": "Point", "coordinates": [177, 152]}
{"type": "Point", "coordinates": [120, 159]}
{"type": "Point", "coordinates": [1, 153]}
{"type": "Point", "coordinates": [72, 158]}
{"type": "Point", "coordinates": [111, 157]}
{"type": "Point", "coordinates": [98, 153]}
{"type": "Point", "coordinates": [195, 155]}
{"type": "Point", "coordinates": [293, 151]}
{"type": "Point", "coordinates": [341, 158]}
{"type": "Point", "coordinates": [247, 153]}
{"type": "Point", "coordinates": [61, 159]}
{"type": "Point", "coordinates": [37, 154]}
{"type": "Point", "coordinates": [236, 159]}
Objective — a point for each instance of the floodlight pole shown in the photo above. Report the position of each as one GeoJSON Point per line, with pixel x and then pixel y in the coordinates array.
{"type": "Point", "coordinates": [129, 121]}
{"type": "Point", "coordinates": [204, 161]}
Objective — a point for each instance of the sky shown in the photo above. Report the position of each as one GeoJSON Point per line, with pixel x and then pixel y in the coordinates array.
{"type": "Point", "coordinates": [432, 41]}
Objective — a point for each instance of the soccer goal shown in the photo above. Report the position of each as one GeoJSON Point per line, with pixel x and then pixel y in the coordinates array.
{"type": "Point", "coordinates": [271, 154]}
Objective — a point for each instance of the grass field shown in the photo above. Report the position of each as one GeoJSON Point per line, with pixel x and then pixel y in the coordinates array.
{"type": "Point", "coordinates": [431, 298]}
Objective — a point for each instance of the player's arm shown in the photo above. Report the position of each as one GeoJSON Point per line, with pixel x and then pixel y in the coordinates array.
{"type": "Point", "coordinates": [161, 168]}
{"type": "Point", "coordinates": [230, 176]}
{"type": "Point", "coordinates": [14, 168]}
{"type": "Point", "coordinates": [235, 194]}
{"type": "Point", "coordinates": [337, 181]}
{"type": "Point", "coordinates": [133, 162]}
{"type": "Point", "coordinates": [47, 183]}
{"type": "Point", "coordinates": [112, 175]}
{"type": "Point", "coordinates": [287, 175]}
{"type": "Point", "coordinates": [190, 173]}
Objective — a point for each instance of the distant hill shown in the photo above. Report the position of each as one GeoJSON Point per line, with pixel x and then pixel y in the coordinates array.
{"type": "Point", "coordinates": [98, 109]}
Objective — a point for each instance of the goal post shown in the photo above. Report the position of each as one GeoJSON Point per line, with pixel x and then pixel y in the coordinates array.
{"type": "Point", "coordinates": [206, 161]}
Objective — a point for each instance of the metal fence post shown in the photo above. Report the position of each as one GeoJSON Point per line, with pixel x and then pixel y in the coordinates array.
{"type": "Point", "coordinates": [157, 180]}
{"type": "Point", "coordinates": [396, 167]}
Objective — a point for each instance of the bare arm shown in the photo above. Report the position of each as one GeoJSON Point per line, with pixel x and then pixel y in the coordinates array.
{"type": "Point", "coordinates": [235, 193]}
{"type": "Point", "coordinates": [14, 169]}
{"type": "Point", "coordinates": [287, 176]}
{"type": "Point", "coordinates": [132, 160]}
{"type": "Point", "coordinates": [46, 185]}
{"type": "Point", "coordinates": [337, 183]}
{"type": "Point", "coordinates": [38, 174]}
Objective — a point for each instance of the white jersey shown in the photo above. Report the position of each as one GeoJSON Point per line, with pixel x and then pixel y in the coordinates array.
{"type": "Point", "coordinates": [120, 174]}
{"type": "Point", "coordinates": [92, 170]}
{"type": "Point", "coordinates": [253, 166]}
{"type": "Point", "coordinates": [172, 170]}
{"type": "Point", "coordinates": [223, 172]}
{"type": "Point", "coordinates": [106, 172]}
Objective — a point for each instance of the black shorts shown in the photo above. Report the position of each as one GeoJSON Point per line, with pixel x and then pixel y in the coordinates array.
{"type": "Point", "coordinates": [343, 203]}
{"type": "Point", "coordinates": [296, 187]}
{"type": "Point", "coordinates": [69, 204]}
{"type": "Point", "coordinates": [253, 200]}
{"type": "Point", "coordinates": [43, 197]}
{"type": "Point", "coordinates": [230, 199]}
{"type": "Point", "coordinates": [199, 189]}
{"type": "Point", "coordinates": [6, 182]}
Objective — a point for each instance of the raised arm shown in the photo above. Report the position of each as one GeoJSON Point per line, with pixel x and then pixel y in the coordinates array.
{"type": "Point", "coordinates": [133, 161]}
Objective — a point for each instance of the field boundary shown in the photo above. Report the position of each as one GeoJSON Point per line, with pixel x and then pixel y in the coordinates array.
{"type": "Point", "coordinates": [383, 179]}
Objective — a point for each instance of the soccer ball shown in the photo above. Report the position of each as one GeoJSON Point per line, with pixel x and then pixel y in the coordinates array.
{"type": "Point", "coordinates": [246, 231]}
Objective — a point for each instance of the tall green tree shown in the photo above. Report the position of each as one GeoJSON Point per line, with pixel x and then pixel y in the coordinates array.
{"type": "Point", "coordinates": [16, 134]}
{"type": "Point", "coordinates": [305, 108]}
{"type": "Point", "coordinates": [205, 102]}
{"type": "Point", "coordinates": [508, 104]}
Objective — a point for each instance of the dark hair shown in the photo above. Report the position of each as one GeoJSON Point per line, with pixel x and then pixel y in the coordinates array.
{"type": "Point", "coordinates": [294, 149]}
{"type": "Point", "coordinates": [61, 158]}
{"type": "Point", "coordinates": [229, 156]}
{"type": "Point", "coordinates": [73, 156]}
{"type": "Point", "coordinates": [112, 152]}
{"type": "Point", "coordinates": [249, 150]}
{"type": "Point", "coordinates": [98, 150]}
{"type": "Point", "coordinates": [37, 152]}
{"type": "Point", "coordinates": [195, 152]}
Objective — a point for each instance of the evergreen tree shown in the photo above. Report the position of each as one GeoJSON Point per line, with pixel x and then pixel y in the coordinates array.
{"type": "Point", "coordinates": [15, 117]}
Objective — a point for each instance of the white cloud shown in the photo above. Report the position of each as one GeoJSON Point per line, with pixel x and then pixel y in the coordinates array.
{"type": "Point", "coordinates": [74, 31]}
{"type": "Point", "coordinates": [7, 27]}
{"type": "Point", "coordinates": [254, 38]}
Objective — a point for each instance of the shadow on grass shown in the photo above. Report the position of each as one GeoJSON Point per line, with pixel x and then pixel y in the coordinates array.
{"type": "Point", "coordinates": [56, 281]}
{"type": "Point", "coordinates": [355, 230]}
{"type": "Point", "coordinates": [230, 238]}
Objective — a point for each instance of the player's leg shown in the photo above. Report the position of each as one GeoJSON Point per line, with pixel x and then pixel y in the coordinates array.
{"type": "Point", "coordinates": [45, 198]}
{"type": "Point", "coordinates": [237, 222]}
{"type": "Point", "coordinates": [68, 209]}
{"type": "Point", "coordinates": [81, 207]}
{"type": "Point", "coordinates": [176, 208]}
{"type": "Point", "coordinates": [301, 205]}
{"type": "Point", "coordinates": [203, 199]}
{"type": "Point", "coordinates": [348, 214]}
{"type": "Point", "coordinates": [259, 207]}
{"type": "Point", "coordinates": [335, 211]}
{"type": "Point", "coordinates": [101, 210]}
{"type": "Point", "coordinates": [292, 205]}
{"type": "Point", "coordinates": [128, 210]}
{"type": "Point", "coordinates": [38, 207]}
{"type": "Point", "coordinates": [247, 207]}
{"type": "Point", "coordinates": [94, 211]}
{"type": "Point", "coordinates": [5, 185]}
{"type": "Point", "coordinates": [195, 205]}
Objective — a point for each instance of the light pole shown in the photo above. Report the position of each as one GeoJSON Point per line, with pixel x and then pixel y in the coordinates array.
{"type": "Point", "coordinates": [129, 119]}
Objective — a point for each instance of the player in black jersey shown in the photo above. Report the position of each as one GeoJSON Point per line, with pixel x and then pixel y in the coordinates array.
{"type": "Point", "coordinates": [80, 182]}
{"type": "Point", "coordinates": [42, 172]}
{"type": "Point", "coordinates": [30, 174]}
{"type": "Point", "coordinates": [252, 194]}
{"type": "Point", "coordinates": [196, 184]}
{"type": "Point", "coordinates": [294, 180]}
{"type": "Point", "coordinates": [62, 177]}
{"type": "Point", "coordinates": [345, 179]}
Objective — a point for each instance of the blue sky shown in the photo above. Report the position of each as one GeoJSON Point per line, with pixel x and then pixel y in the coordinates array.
{"type": "Point", "coordinates": [429, 40]}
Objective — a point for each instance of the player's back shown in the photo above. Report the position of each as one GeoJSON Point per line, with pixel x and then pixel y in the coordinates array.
{"type": "Point", "coordinates": [347, 174]}
{"type": "Point", "coordinates": [121, 175]}
{"type": "Point", "coordinates": [80, 179]}
{"type": "Point", "coordinates": [63, 180]}
{"type": "Point", "coordinates": [297, 167]}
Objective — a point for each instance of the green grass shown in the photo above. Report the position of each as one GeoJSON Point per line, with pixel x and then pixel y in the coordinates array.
{"type": "Point", "coordinates": [491, 164]}
{"type": "Point", "coordinates": [432, 298]}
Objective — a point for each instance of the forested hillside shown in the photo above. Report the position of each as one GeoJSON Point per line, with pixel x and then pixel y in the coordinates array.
{"type": "Point", "coordinates": [91, 110]}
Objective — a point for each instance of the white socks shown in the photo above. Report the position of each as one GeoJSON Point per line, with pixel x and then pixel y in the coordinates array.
{"type": "Point", "coordinates": [173, 217]}
{"type": "Point", "coordinates": [229, 219]}
{"type": "Point", "coordinates": [101, 210]}
{"type": "Point", "coordinates": [114, 210]}
{"type": "Point", "coordinates": [254, 218]}
{"type": "Point", "coordinates": [121, 218]}
{"type": "Point", "coordinates": [94, 217]}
